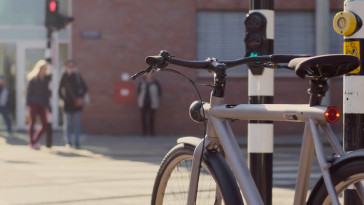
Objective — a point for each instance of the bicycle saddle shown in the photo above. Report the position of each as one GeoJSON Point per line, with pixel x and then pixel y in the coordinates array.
{"type": "Point", "coordinates": [326, 66]}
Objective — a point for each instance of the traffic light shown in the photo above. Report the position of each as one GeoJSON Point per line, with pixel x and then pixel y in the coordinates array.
{"type": "Point", "coordinates": [51, 13]}
{"type": "Point", "coordinates": [54, 20]}
{"type": "Point", "coordinates": [256, 42]}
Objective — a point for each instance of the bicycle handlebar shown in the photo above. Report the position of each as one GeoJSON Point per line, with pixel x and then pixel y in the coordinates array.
{"type": "Point", "coordinates": [190, 64]}
{"type": "Point", "coordinates": [164, 58]}
{"type": "Point", "coordinates": [161, 61]}
{"type": "Point", "coordinates": [275, 59]}
{"type": "Point", "coordinates": [154, 60]}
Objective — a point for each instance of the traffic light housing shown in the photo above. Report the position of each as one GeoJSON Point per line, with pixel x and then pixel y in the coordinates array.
{"type": "Point", "coordinates": [63, 21]}
{"type": "Point", "coordinates": [54, 20]}
{"type": "Point", "coordinates": [256, 42]}
{"type": "Point", "coordinates": [51, 13]}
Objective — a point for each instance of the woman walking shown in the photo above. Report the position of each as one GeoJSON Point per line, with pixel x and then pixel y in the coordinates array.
{"type": "Point", "coordinates": [37, 101]}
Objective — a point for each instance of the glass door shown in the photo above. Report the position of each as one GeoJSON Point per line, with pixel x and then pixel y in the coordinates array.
{"type": "Point", "coordinates": [28, 54]}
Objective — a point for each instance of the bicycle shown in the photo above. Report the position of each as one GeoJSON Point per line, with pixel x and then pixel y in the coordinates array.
{"type": "Point", "coordinates": [212, 170]}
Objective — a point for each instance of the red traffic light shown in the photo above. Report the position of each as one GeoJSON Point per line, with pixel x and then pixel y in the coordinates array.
{"type": "Point", "coordinates": [53, 19]}
{"type": "Point", "coordinates": [52, 6]}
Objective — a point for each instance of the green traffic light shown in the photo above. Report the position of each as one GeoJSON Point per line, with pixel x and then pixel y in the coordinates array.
{"type": "Point", "coordinates": [253, 54]}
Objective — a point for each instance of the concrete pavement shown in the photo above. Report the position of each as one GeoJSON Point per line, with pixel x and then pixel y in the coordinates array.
{"type": "Point", "coordinates": [107, 170]}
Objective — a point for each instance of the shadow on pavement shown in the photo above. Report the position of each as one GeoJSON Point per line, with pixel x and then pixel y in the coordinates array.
{"type": "Point", "coordinates": [131, 148]}
{"type": "Point", "coordinates": [14, 138]}
{"type": "Point", "coordinates": [18, 162]}
{"type": "Point", "coordinates": [68, 154]}
{"type": "Point", "coordinates": [21, 138]}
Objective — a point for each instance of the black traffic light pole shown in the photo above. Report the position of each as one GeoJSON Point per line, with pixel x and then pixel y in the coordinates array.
{"type": "Point", "coordinates": [51, 16]}
{"type": "Point", "coordinates": [49, 136]}
{"type": "Point", "coordinates": [259, 41]}
{"type": "Point", "coordinates": [54, 21]}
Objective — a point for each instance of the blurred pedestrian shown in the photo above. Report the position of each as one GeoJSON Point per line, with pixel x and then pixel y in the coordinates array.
{"type": "Point", "coordinates": [72, 90]}
{"type": "Point", "coordinates": [149, 91]}
{"type": "Point", "coordinates": [4, 94]}
{"type": "Point", "coordinates": [37, 101]}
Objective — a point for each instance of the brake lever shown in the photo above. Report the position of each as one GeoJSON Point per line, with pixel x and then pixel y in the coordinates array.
{"type": "Point", "coordinates": [135, 76]}
{"type": "Point", "coordinates": [144, 72]}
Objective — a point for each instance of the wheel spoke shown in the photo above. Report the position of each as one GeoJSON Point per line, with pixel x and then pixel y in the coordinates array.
{"type": "Point", "coordinates": [360, 190]}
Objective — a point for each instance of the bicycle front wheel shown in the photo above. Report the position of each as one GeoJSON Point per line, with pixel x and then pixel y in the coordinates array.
{"type": "Point", "coordinates": [216, 182]}
{"type": "Point", "coordinates": [344, 177]}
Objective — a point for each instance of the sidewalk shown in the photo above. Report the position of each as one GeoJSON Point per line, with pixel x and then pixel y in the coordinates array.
{"type": "Point", "coordinates": [107, 170]}
{"type": "Point", "coordinates": [120, 145]}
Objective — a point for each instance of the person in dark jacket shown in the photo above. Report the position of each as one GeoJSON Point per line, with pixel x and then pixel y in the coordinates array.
{"type": "Point", "coordinates": [72, 88]}
{"type": "Point", "coordinates": [4, 94]}
{"type": "Point", "coordinates": [149, 91]}
{"type": "Point", "coordinates": [37, 100]}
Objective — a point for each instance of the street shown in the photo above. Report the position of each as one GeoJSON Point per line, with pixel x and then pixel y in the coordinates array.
{"type": "Point", "coordinates": [108, 170]}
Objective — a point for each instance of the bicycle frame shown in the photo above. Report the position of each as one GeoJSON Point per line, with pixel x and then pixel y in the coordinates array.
{"type": "Point", "coordinates": [219, 134]}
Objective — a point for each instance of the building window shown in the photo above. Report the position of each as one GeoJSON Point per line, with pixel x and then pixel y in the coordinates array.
{"type": "Point", "coordinates": [21, 12]}
{"type": "Point", "coordinates": [221, 35]}
{"type": "Point", "coordinates": [26, 12]}
{"type": "Point", "coordinates": [294, 33]}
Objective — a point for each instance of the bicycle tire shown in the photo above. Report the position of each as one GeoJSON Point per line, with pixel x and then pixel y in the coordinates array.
{"type": "Point", "coordinates": [344, 175]}
{"type": "Point", "coordinates": [215, 175]}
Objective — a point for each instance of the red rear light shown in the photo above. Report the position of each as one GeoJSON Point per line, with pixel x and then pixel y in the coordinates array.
{"type": "Point", "coordinates": [332, 114]}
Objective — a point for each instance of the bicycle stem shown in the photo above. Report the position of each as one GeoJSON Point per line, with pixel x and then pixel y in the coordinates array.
{"type": "Point", "coordinates": [219, 79]}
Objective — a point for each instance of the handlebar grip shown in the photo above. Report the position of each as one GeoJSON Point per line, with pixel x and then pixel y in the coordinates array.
{"type": "Point", "coordinates": [190, 64]}
{"type": "Point", "coordinates": [154, 60]}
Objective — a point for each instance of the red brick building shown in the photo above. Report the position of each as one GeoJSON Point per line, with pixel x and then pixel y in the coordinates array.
{"type": "Point", "coordinates": [124, 32]}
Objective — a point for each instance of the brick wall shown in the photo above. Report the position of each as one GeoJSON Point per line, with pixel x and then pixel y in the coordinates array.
{"type": "Point", "coordinates": [132, 30]}
{"type": "Point", "coordinates": [278, 4]}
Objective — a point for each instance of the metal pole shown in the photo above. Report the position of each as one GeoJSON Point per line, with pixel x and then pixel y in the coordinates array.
{"type": "Point", "coordinates": [48, 57]}
{"type": "Point", "coordinates": [260, 91]}
{"type": "Point", "coordinates": [322, 35]}
{"type": "Point", "coordinates": [322, 28]}
{"type": "Point", "coordinates": [349, 24]}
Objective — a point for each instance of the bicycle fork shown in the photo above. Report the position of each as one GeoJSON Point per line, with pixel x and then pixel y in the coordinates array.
{"type": "Point", "coordinates": [195, 173]}
{"type": "Point", "coordinates": [233, 158]}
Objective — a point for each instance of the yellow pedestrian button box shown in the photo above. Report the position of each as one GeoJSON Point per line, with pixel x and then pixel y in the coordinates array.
{"type": "Point", "coordinates": [346, 23]}
{"type": "Point", "coordinates": [353, 48]}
